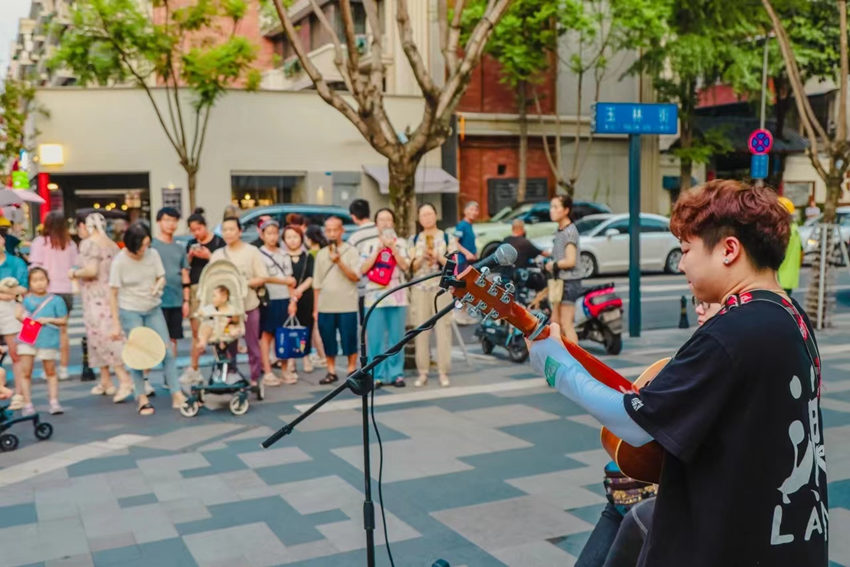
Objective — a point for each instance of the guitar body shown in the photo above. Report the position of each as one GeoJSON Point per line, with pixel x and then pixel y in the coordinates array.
{"type": "Point", "coordinates": [492, 299]}
{"type": "Point", "coordinates": [640, 463]}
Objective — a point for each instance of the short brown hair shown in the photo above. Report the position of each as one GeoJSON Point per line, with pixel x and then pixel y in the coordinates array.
{"type": "Point", "coordinates": [725, 207]}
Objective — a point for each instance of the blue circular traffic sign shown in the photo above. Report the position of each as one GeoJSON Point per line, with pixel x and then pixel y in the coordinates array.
{"type": "Point", "coordinates": [760, 141]}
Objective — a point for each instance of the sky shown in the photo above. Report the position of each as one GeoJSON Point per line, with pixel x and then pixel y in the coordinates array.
{"type": "Point", "coordinates": [9, 14]}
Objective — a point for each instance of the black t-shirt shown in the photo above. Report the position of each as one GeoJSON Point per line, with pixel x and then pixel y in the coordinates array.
{"type": "Point", "coordinates": [744, 477]}
{"type": "Point", "coordinates": [525, 250]}
{"type": "Point", "coordinates": [196, 265]}
{"type": "Point", "coordinates": [302, 268]}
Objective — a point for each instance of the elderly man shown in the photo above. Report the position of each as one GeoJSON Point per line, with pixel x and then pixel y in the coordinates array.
{"type": "Point", "coordinates": [335, 278]}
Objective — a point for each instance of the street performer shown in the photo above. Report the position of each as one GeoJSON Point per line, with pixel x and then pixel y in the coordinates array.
{"type": "Point", "coordinates": [737, 409]}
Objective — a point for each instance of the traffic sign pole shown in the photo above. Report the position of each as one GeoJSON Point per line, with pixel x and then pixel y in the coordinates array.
{"type": "Point", "coordinates": [634, 236]}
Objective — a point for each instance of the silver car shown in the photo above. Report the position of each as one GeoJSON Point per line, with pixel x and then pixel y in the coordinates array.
{"type": "Point", "coordinates": [809, 239]}
{"type": "Point", "coordinates": [604, 246]}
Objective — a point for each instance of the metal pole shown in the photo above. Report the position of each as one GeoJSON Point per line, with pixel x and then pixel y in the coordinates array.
{"type": "Point", "coordinates": [821, 282]}
{"type": "Point", "coordinates": [634, 235]}
{"type": "Point", "coordinates": [760, 182]}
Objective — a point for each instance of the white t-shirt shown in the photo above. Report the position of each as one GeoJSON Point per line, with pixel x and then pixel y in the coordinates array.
{"type": "Point", "coordinates": [275, 261]}
{"type": "Point", "coordinates": [135, 279]}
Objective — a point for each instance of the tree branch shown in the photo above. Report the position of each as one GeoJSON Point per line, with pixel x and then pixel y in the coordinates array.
{"type": "Point", "coordinates": [339, 56]}
{"type": "Point", "coordinates": [553, 167]}
{"type": "Point", "coordinates": [373, 134]}
{"type": "Point", "coordinates": [454, 37]}
{"type": "Point", "coordinates": [420, 72]}
{"type": "Point", "coordinates": [808, 119]}
{"type": "Point", "coordinates": [196, 157]}
{"type": "Point", "coordinates": [353, 59]}
{"type": "Point", "coordinates": [473, 50]}
{"type": "Point", "coordinates": [841, 130]}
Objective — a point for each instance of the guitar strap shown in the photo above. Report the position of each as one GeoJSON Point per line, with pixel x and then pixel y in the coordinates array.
{"type": "Point", "coordinates": [735, 301]}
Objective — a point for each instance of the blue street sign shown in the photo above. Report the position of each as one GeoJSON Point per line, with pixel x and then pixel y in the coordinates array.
{"type": "Point", "coordinates": [635, 118]}
{"type": "Point", "coordinates": [758, 166]}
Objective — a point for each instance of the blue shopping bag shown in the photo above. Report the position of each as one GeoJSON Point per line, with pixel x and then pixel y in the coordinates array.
{"type": "Point", "coordinates": [290, 341]}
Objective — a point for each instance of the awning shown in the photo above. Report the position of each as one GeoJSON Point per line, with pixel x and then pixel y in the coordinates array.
{"type": "Point", "coordinates": [428, 179]}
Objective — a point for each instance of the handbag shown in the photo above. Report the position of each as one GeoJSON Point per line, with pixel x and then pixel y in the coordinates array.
{"type": "Point", "coordinates": [290, 341]}
{"type": "Point", "coordinates": [556, 290]}
{"type": "Point", "coordinates": [30, 327]}
{"type": "Point", "coordinates": [382, 271]}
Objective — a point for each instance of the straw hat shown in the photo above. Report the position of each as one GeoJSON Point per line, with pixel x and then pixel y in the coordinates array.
{"type": "Point", "coordinates": [144, 349]}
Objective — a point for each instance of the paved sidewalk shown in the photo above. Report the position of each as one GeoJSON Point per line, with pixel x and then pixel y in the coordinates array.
{"type": "Point", "coordinates": [495, 470]}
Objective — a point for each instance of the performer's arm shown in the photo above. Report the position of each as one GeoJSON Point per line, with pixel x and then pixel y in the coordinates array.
{"type": "Point", "coordinates": [563, 372]}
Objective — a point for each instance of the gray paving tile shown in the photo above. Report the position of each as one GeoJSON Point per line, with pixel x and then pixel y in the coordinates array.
{"type": "Point", "coordinates": [503, 416]}
{"type": "Point", "coordinates": [18, 514]}
{"type": "Point", "coordinates": [185, 510]}
{"type": "Point", "coordinates": [272, 457]}
{"type": "Point", "coordinates": [83, 560]}
{"type": "Point", "coordinates": [534, 554]}
{"type": "Point", "coordinates": [169, 467]}
{"type": "Point", "coordinates": [102, 543]}
{"type": "Point", "coordinates": [184, 437]}
{"type": "Point", "coordinates": [254, 543]}
{"type": "Point", "coordinates": [137, 500]}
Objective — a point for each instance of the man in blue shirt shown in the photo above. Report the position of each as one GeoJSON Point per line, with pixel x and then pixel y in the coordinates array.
{"type": "Point", "coordinates": [175, 295]}
{"type": "Point", "coordinates": [465, 235]}
{"type": "Point", "coordinates": [13, 282]}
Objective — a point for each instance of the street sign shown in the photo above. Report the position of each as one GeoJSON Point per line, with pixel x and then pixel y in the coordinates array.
{"type": "Point", "coordinates": [635, 118]}
{"type": "Point", "coordinates": [760, 142]}
{"type": "Point", "coordinates": [758, 166]}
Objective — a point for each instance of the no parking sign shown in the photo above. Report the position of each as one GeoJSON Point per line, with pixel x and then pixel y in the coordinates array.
{"type": "Point", "coordinates": [760, 143]}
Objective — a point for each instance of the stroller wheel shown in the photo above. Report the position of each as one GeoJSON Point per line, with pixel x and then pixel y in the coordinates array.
{"type": "Point", "coordinates": [43, 431]}
{"type": "Point", "coordinates": [190, 408]}
{"type": "Point", "coordinates": [238, 405]}
{"type": "Point", "coordinates": [8, 442]}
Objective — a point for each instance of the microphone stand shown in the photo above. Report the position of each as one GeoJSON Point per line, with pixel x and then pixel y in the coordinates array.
{"type": "Point", "coordinates": [361, 382]}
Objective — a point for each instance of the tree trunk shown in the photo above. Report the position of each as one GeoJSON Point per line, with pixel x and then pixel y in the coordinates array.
{"type": "Point", "coordinates": [522, 102]}
{"type": "Point", "coordinates": [191, 181]}
{"type": "Point", "coordinates": [403, 194]}
{"type": "Point", "coordinates": [686, 166]}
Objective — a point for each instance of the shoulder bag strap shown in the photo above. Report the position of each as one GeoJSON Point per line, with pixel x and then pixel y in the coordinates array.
{"type": "Point", "coordinates": [806, 333]}
{"type": "Point", "coordinates": [270, 257]}
{"type": "Point", "coordinates": [41, 306]}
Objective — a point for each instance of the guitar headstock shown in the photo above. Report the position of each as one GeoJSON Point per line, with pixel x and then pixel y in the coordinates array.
{"type": "Point", "coordinates": [490, 297]}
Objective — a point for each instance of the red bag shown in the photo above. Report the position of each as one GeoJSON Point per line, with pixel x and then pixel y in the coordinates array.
{"type": "Point", "coordinates": [382, 272]}
{"type": "Point", "coordinates": [30, 329]}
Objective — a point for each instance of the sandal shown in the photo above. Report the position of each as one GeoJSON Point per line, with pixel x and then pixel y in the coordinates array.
{"type": "Point", "coordinates": [399, 382]}
{"type": "Point", "coordinates": [329, 379]}
{"type": "Point", "coordinates": [146, 409]}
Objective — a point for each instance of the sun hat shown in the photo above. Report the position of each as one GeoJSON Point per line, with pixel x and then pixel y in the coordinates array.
{"type": "Point", "coordinates": [143, 350]}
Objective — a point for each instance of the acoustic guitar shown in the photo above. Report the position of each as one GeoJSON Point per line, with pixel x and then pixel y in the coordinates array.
{"type": "Point", "coordinates": [493, 300]}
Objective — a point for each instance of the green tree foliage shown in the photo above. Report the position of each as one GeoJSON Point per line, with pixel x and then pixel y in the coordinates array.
{"type": "Point", "coordinates": [706, 42]}
{"type": "Point", "coordinates": [177, 46]}
{"type": "Point", "coordinates": [16, 102]}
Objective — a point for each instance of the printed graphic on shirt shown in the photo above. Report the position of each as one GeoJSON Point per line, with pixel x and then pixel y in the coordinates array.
{"type": "Point", "coordinates": [550, 370]}
{"type": "Point", "coordinates": [805, 472]}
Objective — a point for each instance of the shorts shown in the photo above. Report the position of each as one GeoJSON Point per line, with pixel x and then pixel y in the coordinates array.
{"type": "Point", "coordinates": [25, 349]}
{"type": "Point", "coordinates": [572, 291]}
{"type": "Point", "coordinates": [9, 325]}
{"type": "Point", "coordinates": [174, 321]}
{"type": "Point", "coordinates": [274, 315]}
{"type": "Point", "coordinates": [68, 299]}
{"type": "Point", "coordinates": [194, 302]}
{"type": "Point", "coordinates": [346, 324]}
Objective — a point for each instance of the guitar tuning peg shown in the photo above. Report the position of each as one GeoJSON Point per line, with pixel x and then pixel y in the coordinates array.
{"type": "Point", "coordinates": [510, 288]}
{"type": "Point", "coordinates": [481, 280]}
{"type": "Point", "coordinates": [497, 280]}
{"type": "Point", "coordinates": [473, 312]}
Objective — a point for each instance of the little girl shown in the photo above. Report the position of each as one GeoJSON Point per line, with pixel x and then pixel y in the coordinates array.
{"type": "Point", "coordinates": [50, 311]}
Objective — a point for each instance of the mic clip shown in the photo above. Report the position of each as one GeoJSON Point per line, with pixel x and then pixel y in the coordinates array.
{"type": "Point", "coordinates": [447, 278]}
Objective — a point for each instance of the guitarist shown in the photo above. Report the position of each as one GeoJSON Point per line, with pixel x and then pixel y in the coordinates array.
{"type": "Point", "coordinates": [737, 410]}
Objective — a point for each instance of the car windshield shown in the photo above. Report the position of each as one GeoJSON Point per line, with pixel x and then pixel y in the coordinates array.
{"type": "Point", "coordinates": [585, 225]}
{"type": "Point", "coordinates": [517, 212]}
{"type": "Point", "coordinates": [505, 211]}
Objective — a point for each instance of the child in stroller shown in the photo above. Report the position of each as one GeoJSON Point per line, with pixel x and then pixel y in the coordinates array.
{"type": "Point", "coordinates": [221, 291]}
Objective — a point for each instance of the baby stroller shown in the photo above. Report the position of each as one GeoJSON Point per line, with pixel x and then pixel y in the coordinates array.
{"type": "Point", "coordinates": [227, 326]}
{"type": "Point", "coordinates": [9, 441]}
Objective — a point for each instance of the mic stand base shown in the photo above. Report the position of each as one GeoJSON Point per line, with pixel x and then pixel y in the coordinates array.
{"type": "Point", "coordinates": [361, 383]}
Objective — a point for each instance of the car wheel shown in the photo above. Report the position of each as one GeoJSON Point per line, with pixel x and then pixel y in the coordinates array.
{"type": "Point", "coordinates": [671, 264]}
{"type": "Point", "coordinates": [587, 265]}
{"type": "Point", "coordinates": [488, 249]}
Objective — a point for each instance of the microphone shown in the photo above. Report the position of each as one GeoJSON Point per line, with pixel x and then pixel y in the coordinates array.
{"type": "Point", "coordinates": [505, 255]}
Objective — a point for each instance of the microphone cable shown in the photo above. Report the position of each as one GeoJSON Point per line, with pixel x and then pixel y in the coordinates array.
{"type": "Point", "coordinates": [364, 361]}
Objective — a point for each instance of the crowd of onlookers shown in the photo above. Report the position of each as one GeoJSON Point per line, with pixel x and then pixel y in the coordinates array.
{"type": "Point", "coordinates": [294, 273]}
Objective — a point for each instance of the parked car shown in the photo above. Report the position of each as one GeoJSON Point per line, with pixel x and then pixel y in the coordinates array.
{"type": "Point", "coordinates": [810, 240]}
{"type": "Point", "coordinates": [316, 214]}
{"type": "Point", "coordinates": [604, 246]}
{"type": "Point", "coordinates": [489, 234]}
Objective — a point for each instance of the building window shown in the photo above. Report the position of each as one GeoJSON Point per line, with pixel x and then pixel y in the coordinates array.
{"type": "Point", "coordinates": [249, 191]}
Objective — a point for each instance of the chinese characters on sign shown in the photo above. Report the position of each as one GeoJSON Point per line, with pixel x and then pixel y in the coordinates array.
{"type": "Point", "coordinates": [635, 118]}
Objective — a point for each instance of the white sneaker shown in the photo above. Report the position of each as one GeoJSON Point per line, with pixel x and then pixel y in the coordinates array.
{"type": "Point", "coordinates": [62, 371]}
{"type": "Point", "coordinates": [190, 377]}
{"type": "Point", "coordinates": [149, 390]}
{"type": "Point", "coordinates": [17, 402]}
{"type": "Point", "coordinates": [271, 380]}
{"type": "Point", "coordinates": [318, 361]}
{"type": "Point", "coordinates": [289, 377]}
